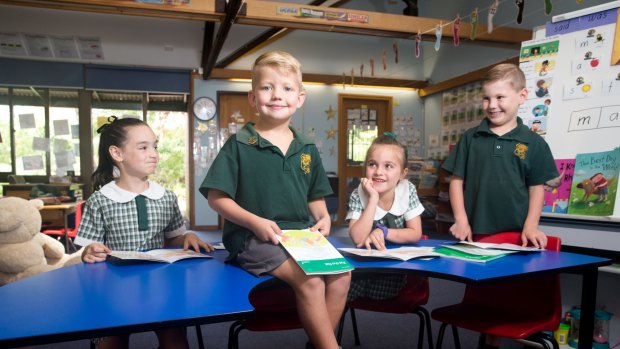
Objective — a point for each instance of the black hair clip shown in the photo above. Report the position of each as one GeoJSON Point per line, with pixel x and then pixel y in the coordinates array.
{"type": "Point", "coordinates": [105, 126]}
{"type": "Point", "coordinates": [389, 134]}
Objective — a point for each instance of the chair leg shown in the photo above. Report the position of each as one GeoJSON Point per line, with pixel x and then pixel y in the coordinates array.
{"type": "Point", "coordinates": [236, 336]}
{"type": "Point", "coordinates": [354, 322]}
{"type": "Point", "coordinates": [547, 341]}
{"type": "Point", "coordinates": [420, 328]}
{"type": "Point", "coordinates": [232, 334]}
{"type": "Point", "coordinates": [442, 330]}
{"type": "Point", "coordinates": [427, 320]}
{"type": "Point", "coordinates": [201, 344]}
{"type": "Point", "coordinates": [455, 335]}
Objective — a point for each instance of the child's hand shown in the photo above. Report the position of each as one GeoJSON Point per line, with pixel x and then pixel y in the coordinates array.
{"type": "Point", "coordinates": [375, 238]}
{"type": "Point", "coordinates": [323, 225]}
{"type": "Point", "coordinates": [266, 230]}
{"type": "Point", "coordinates": [193, 241]}
{"type": "Point", "coordinates": [461, 231]}
{"type": "Point", "coordinates": [535, 236]}
{"type": "Point", "coordinates": [368, 188]}
{"type": "Point", "coordinates": [95, 252]}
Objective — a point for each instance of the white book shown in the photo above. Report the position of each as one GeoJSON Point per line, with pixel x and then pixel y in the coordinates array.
{"type": "Point", "coordinates": [502, 246]}
{"type": "Point", "coordinates": [401, 253]}
{"type": "Point", "coordinates": [163, 255]}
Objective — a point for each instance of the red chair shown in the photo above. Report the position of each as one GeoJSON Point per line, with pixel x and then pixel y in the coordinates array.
{"type": "Point", "coordinates": [519, 309]}
{"type": "Point", "coordinates": [411, 299]}
{"type": "Point", "coordinates": [59, 233]}
{"type": "Point", "coordinates": [275, 309]}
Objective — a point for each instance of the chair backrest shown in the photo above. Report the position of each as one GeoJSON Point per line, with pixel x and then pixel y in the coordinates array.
{"type": "Point", "coordinates": [78, 214]}
{"type": "Point", "coordinates": [539, 293]}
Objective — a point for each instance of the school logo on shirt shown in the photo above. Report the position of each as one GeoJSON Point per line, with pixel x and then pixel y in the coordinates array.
{"type": "Point", "coordinates": [252, 140]}
{"type": "Point", "coordinates": [306, 159]}
{"type": "Point", "coordinates": [521, 151]}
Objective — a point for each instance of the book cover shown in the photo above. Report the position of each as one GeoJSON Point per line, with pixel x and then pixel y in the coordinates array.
{"type": "Point", "coordinates": [314, 254]}
{"type": "Point", "coordinates": [557, 191]}
{"type": "Point", "coordinates": [595, 183]}
{"type": "Point", "coordinates": [163, 255]}
{"type": "Point", "coordinates": [401, 253]}
{"type": "Point", "coordinates": [470, 254]}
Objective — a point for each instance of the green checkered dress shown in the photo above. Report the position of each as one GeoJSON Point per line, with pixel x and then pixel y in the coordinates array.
{"type": "Point", "coordinates": [379, 286]}
{"type": "Point", "coordinates": [114, 221]}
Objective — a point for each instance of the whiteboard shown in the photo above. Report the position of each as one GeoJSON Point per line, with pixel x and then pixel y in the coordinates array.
{"type": "Point", "coordinates": [573, 86]}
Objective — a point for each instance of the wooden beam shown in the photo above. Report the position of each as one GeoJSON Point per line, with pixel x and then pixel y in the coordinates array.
{"type": "Point", "coordinates": [379, 24]}
{"type": "Point", "coordinates": [327, 79]}
{"type": "Point", "coordinates": [232, 9]}
{"type": "Point", "coordinates": [196, 10]}
{"type": "Point", "coordinates": [460, 80]}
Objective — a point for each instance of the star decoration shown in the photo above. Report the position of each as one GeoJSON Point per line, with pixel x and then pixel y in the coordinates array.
{"type": "Point", "coordinates": [330, 112]}
{"type": "Point", "coordinates": [202, 127]}
{"type": "Point", "coordinates": [331, 133]}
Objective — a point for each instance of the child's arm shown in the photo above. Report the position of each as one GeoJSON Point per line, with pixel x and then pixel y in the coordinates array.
{"type": "Point", "coordinates": [188, 240]}
{"type": "Point", "coordinates": [264, 229]}
{"type": "Point", "coordinates": [360, 229]}
{"type": "Point", "coordinates": [461, 228]}
{"type": "Point", "coordinates": [95, 252]}
{"type": "Point", "coordinates": [318, 210]}
{"type": "Point", "coordinates": [411, 233]}
{"type": "Point", "coordinates": [530, 227]}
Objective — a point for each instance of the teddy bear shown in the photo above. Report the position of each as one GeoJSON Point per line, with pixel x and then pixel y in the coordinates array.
{"type": "Point", "coordinates": [24, 251]}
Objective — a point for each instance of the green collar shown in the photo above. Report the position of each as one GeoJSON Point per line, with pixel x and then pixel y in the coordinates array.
{"type": "Point", "coordinates": [520, 133]}
{"type": "Point", "coordinates": [248, 135]}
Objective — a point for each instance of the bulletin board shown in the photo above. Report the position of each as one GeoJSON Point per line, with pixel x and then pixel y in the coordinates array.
{"type": "Point", "coordinates": [573, 82]}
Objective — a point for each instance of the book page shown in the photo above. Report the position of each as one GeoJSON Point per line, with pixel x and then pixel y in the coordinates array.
{"type": "Point", "coordinates": [502, 246]}
{"type": "Point", "coordinates": [401, 253]}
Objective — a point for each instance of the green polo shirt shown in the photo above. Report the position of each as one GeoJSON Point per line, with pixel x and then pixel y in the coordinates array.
{"type": "Point", "coordinates": [497, 172]}
{"type": "Point", "coordinates": [262, 180]}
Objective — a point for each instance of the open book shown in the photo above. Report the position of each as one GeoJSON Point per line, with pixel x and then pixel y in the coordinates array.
{"type": "Point", "coordinates": [471, 253]}
{"type": "Point", "coordinates": [313, 253]}
{"type": "Point", "coordinates": [401, 253]}
{"type": "Point", "coordinates": [163, 255]}
{"type": "Point", "coordinates": [502, 246]}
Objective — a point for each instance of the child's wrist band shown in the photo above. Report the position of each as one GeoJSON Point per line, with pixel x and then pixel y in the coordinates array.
{"type": "Point", "coordinates": [384, 229]}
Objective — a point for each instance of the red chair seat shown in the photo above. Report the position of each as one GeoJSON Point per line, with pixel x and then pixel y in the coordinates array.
{"type": "Point", "coordinates": [413, 294]}
{"type": "Point", "coordinates": [519, 309]}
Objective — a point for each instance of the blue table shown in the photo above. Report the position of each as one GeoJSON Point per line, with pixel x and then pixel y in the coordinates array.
{"type": "Point", "coordinates": [511, 267]}
{"type": "Point", "coordinates": [93, 300]}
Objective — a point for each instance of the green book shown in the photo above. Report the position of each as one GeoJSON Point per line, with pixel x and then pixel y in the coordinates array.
{"type": "Point", "coordinates": [473, 256]}
{"type": "Point", "coordinates": [313, 252]}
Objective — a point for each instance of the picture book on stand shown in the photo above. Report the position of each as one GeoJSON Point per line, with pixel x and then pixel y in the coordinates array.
{"type": "Point", "coordinates": [595, 183]}
{"type": "Point", "coordinates": [557, 191]}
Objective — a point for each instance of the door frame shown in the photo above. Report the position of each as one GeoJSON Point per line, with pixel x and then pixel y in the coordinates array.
{"type": "Point", "coordinates": [343, 168]}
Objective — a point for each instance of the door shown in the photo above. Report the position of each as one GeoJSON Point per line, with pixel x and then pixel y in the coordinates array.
{"type": "Point", "coordinates": [234, 108]}
{"type": "Point", "coordinates": [360, 119]}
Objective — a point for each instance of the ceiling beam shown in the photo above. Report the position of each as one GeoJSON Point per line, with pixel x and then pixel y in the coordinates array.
{"type": "Point", "coordinates": [327, 79]}
{"type": "Point", "coordinates": [265, 38]}
{"type": "Point", "coordinates": [232, 9]}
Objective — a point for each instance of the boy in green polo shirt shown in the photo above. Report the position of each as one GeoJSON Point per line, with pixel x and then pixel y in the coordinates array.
{"type": "Point", "coordinates": [499, 167]}
{"type": "Point", "coordinates": [268, 177]}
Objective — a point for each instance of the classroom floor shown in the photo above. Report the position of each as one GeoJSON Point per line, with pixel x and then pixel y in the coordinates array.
{"type": "Point", "coordinates": [377, 330]}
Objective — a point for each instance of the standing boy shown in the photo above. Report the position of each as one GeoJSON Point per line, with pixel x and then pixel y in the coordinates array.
{"type": "Point", "coordinates": [499, 167]}
{"type": "Point", "coordinates": [268, 177]}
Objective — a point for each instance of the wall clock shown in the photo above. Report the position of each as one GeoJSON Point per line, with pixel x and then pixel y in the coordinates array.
{"type": "Point", "coordinates": [205, 108]}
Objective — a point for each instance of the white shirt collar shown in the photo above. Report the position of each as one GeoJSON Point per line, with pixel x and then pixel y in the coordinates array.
{"type": "Point", "coordinates": [400, 204]}
{"type": "Point", "coordinates": [120, 195]}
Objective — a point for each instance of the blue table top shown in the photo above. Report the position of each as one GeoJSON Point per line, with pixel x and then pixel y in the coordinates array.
{"type": "Point", "coordinates": [89, 300]}
{"type": "Point", "coordinates": [512, 266]}
{"type": "Point", "coordinates": [92, 300]}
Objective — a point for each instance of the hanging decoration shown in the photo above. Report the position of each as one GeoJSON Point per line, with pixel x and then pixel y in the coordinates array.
{"type": "Point", "coordinates": [456, 26]}
{"type": "Point", "coordinates": [331, 133]}
{"type": "Point", "coordinates": [352, 77]}
{"type": "Point", "coordinates": [395, 47]}
{"type": "Point", "coordinates": [362, 71]}
{"type": "Point", "coordinates": [438, 36]}
{"type": "Point", "coordinates": [344, 80]}
{"type": "Point", "coordinates": [492, 12]}
{"type": "Point", "coordinates": [474, 24]}
{"type": "Point", "coordinates": [372, 67]}
{"type": "Point", "coordinates": [548, 7]}
{"type": "Point", "coordinates": [384, 59]}
{"type": "Point", "coordinates": [418, 40]}
{"type": "Point", "coordinates": [520, 5]}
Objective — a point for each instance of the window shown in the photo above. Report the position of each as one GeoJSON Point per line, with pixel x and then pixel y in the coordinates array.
{"type": "Point", "coordinates": [6, 162]}
{"type": "Point", "coordinates": [31, 143]}
{"type": "Point", "coordinates": [64, 132]}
